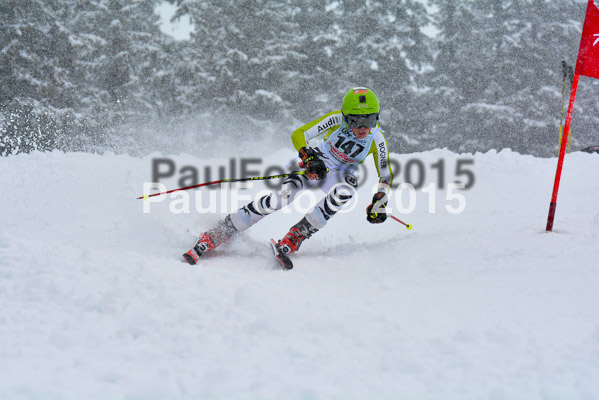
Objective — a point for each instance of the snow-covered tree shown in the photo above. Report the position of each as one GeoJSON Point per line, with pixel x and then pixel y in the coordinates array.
{"type": "Point", "coordinates": [36, 76]}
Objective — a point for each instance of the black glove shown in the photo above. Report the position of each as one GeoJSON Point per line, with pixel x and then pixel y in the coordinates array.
{"type": "Point", "coordinates": [314, 165]}
{"type": "Point", "coordinates": [375, 212]}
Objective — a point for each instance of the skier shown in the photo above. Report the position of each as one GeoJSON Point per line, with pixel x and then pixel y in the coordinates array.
{"type": "Point", "coordinates": [348, 136]}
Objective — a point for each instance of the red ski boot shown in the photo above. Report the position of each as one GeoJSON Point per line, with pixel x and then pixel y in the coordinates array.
{"type": "Point", "coordinates": [292, 242]}
{"type": "Point", "coordinates": [210, 240]}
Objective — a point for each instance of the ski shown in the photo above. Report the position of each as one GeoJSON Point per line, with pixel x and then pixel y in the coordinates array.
{"type": "Point", "coordinates": [281, 258]}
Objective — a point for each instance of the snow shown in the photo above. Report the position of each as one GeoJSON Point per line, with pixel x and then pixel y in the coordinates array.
{"type": "Point", "coordinates": [484, 304]}
{"type": "Point", "coordinates": [179, 29]}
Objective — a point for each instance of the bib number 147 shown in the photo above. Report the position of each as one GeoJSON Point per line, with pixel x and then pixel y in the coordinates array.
{"type": "Point", "coordinates": [347, 146]}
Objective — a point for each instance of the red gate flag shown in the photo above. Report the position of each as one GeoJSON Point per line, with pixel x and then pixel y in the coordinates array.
{"type": "Point", "coordinates": [588, 54]}
{"type": "Point", "coordinates": [587, 65]}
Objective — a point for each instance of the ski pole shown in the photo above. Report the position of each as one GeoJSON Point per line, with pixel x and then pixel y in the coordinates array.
{"type": "Point", "coordinates": [571, 78]}
{"type": "Point", "coordinates": [561, 119]}
{"type": "Point", "coordinates": [255, 178]}
{"type": "Point", "coordinates": [408, 226]}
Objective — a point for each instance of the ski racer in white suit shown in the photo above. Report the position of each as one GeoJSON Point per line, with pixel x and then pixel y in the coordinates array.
{"type": "Point", "coordinates": [330, 149]}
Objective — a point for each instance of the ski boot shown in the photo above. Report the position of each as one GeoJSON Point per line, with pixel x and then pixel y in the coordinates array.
{"type": "Point", "coordinates": [210, 240]}
{"type": "Point", "coordinates": [292, 242]}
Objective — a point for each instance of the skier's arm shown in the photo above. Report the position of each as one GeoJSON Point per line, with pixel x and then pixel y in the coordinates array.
{"type": "Point", "coordinates": [380, 152]}
{"type": "Point", "coordinates": [327, 123]}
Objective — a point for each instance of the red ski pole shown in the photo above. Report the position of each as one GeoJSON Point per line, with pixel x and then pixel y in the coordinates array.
{"type": "Point", "coordinates": [255, 178]}
{"type": "Point", "coordinates": [408, 226]}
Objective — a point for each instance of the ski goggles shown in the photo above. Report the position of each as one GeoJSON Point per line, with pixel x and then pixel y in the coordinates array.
{"type": "Point", "coordinates": [357, 121]}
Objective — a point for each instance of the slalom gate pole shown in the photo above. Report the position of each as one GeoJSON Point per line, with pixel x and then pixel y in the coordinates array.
{"type": "Point", "coordinates": [255, 178]}
{"type": "Point", "coordinates": [408, 226]}
{"type": "Point", "coordinates": [562, 152]}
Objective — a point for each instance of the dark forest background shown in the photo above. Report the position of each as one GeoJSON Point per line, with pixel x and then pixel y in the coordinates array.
{"type": "Point", "coordinates": [469, 75]}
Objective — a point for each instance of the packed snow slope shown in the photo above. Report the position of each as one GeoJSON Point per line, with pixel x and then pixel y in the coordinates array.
{"type": "Point", "coordinates": [95, 302]}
